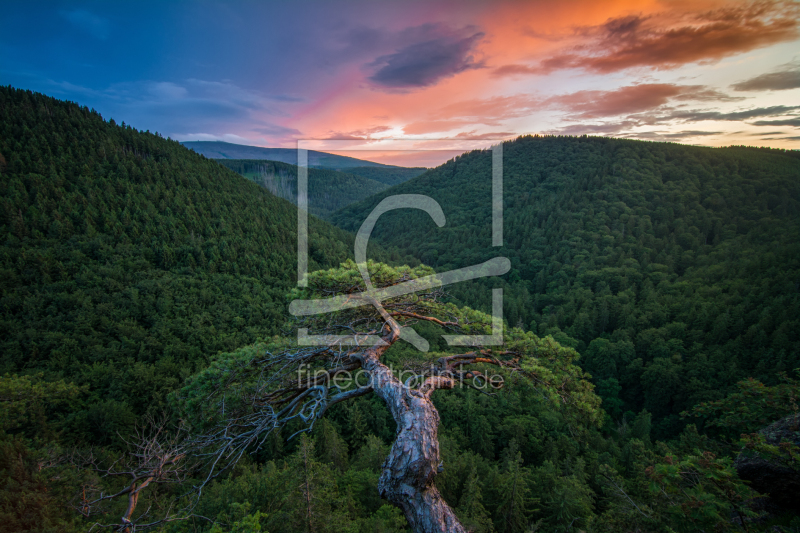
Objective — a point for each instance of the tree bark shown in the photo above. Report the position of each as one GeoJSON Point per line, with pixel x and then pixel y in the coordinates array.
{"type": "Point", "coordinates": [413, 461]}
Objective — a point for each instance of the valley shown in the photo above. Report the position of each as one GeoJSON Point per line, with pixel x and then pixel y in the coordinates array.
{"type": "Point", "coordinates": [651, 317]}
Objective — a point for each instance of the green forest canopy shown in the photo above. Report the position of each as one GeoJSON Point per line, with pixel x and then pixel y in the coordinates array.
{"type": "Point", "coordinates": [129, 262]}
{"type": "Point", "coordinates": [328, 190]}
{"type": "Point", "coordinates": [674, 270]}
{"type": "Point", "coordinates": [388, 175]}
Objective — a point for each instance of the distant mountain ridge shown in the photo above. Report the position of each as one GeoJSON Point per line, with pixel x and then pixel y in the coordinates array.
{"type": "Point", "coordinates": [223, 150]}
{"type": "Point", "coordinates": [335, 181]}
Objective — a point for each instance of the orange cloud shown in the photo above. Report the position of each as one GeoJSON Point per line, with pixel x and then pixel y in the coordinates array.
{"type": "Point", "coordinates": [632, 99]}
{"type": "Point", "coordinates": [670, 39]}
{"type": "Point", "coordinates": [601, 40]}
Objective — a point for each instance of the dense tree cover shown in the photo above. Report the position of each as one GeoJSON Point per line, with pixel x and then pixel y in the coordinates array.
{"type": "Point", "coordinates": [129, 263]}
{"type": "Point", "coordinates": [512, 462]}
{"type": "Point", "coordinates": [328, 190]}
{"type": "Point", "coordinates": [127, 260]}
{"type": "Point", "coordinates": [387, 175]}
{"type": "Point", "coordinates": [674, 270]}
{"type": "Point", "coordinates": [242, 398]}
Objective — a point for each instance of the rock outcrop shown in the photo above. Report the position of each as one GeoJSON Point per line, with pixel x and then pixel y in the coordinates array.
{"type": "Point", "coordinates": [780, 481]}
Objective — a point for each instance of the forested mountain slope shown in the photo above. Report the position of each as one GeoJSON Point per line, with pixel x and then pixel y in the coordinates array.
{"type": "Point", "coordinates": [674, 270]}
{"type": "Point", "coordinates": [127, 260]}
{"type": "Point", "coordinates": [387, 175]}
{"type": "Point", "coordinates": [328, 190]}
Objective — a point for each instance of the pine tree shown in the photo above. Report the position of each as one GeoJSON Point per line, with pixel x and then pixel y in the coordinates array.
{"type": "Point", "coordinates": [314, 503]}
{"type": "Point", "coordinates": [331, 447]}
{"type": "Point", "coordinates": [470, 508]}
{"type": "Point", "coordinates": [514, 509]}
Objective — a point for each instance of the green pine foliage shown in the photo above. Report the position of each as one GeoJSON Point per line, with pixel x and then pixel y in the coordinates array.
{"type": "Point", "coordinates": [543, 472]}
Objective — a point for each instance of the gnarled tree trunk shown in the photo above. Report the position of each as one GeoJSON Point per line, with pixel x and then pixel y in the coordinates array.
{"type": "Point", "coordinates": [413, 461]}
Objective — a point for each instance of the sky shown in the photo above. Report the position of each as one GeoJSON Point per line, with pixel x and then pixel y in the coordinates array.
{"type": "Point", "coordinates": [389, 76]}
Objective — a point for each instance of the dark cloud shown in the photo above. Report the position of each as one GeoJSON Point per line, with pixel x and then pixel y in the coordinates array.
{"type": "Point", "coordinates": [795, 122]}
{"type": "Point", "coordinates": [772, 81]}
{"type": "Point", "coordinates": [613, 112]}
{"type": "Point", "coordinates": [593, 129]}
{"type": "Point", "coordinates": [474, 136]}
{"type": "Point", "coordinates": [356, 135]}
{"type": "Point", "coordinates": [632, 99]}
{"type": "Point", "coordinates": [515, 70]}
{"type": "Point", "coordinates": [694, 116]}
{"type": "Point", "coordinates": [442, 53]}
{"type": "Point", "coordinates": [669, 40]}
{"type": "Point", "coordinates": [691, 133]}
{"type": "Point", "coordinates": [700, 93]}
{"type": "Point", "coordinates": [276, 130]}
{"type": "Point", "coordinates": [651, 98]}
{"type": "Point", "coordinates": [672, 136]}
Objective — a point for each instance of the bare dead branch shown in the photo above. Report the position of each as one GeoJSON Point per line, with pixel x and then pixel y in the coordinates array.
{"type": "Point", "coordinates": [157, 455]}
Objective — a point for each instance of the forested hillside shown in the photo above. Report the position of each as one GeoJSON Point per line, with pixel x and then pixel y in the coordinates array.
{"type": "Point", "coordinates": [128, 260]}
{"type": "Point", "coordinates": [328, 190]}
{"type": "Point", "coordinates": [387, 175]}
{"type": "Point", "coordinates": [138, 277]}
{"type": "Point", "coordinates": [674, 270]}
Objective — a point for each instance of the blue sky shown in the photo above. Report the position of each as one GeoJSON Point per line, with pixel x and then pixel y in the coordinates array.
{"type": "Point", "coordinates": [269, 73]}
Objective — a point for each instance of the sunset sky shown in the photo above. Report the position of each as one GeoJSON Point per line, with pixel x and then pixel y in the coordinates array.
{"type": "Point", "coordinates": [268, 74]}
